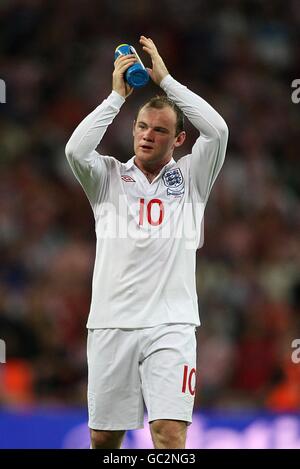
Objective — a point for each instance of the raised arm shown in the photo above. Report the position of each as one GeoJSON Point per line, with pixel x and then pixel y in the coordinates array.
{"type": "Point", "coordinates": [208, 152]}
{"type": "Point", "coordinates": [88, 166]}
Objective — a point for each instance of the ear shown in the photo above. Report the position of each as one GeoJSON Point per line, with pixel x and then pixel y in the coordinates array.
{"type": "Point", "coordinates": [133, 128]}
{"type": "Point", "coordinates": [179, 140]}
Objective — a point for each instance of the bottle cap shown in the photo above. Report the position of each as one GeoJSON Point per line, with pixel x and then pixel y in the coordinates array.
{"type": "Point", "coordinates": [123, 49]}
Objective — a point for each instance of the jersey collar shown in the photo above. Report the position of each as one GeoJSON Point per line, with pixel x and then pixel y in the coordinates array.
{"type": "Point", "coordinates": [130, 164]}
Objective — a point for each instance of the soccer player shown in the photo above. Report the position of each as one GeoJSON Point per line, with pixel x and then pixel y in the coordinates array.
{"type": "Point", "coordinates": [148, 217]}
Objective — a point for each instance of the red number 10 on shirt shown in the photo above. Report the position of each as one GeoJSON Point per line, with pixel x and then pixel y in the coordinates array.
{"type": "Point", "coordinates": [149, 206]}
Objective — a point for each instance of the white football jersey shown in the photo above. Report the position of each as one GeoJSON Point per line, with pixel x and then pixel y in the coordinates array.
{"type": "Point", "coordinates": [147, 233]}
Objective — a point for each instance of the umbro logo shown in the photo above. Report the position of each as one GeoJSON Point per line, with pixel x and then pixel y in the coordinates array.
{"type": "Point", "coordinates": [127, 178]}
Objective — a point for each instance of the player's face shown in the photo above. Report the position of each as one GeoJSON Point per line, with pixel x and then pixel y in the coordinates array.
{"type": "Point", "coordinates": [154, 134]}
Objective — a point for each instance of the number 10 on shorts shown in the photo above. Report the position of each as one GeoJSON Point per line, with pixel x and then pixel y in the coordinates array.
{"type": "Point", "coordinates": [188, 380]}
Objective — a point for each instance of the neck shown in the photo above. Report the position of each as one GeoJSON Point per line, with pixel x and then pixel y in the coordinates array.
{"type": "Point", "coordinates": [150, 169]}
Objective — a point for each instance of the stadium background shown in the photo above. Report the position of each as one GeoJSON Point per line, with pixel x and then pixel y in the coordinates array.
{"type": "Point", "coordinates": [56, 59]}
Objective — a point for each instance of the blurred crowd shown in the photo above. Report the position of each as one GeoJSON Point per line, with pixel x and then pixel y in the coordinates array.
{"type": "Point", "coordinates": [241, 56]}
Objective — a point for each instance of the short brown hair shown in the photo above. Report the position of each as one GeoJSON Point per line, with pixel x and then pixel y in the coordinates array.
{"type": "Point", "coordinates": [161, 101]}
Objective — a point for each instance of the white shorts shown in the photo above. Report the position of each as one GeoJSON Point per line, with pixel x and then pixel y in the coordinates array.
{"type": "Point", "coordinates": [130, 367]}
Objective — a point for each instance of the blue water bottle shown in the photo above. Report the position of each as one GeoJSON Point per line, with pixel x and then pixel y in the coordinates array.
{"type": "Point", "coordinates": [136, 75]}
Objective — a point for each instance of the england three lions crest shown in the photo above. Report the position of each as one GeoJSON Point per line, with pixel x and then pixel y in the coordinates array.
{"type": "Point", "coordinates": [174, 181]}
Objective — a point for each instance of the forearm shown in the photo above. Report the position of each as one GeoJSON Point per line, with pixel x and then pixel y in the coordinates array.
{"type": "Point", "coordinates": [209, 123]}
{"type": "Point", "coordinates": [91, 130]}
